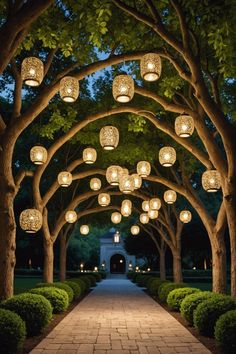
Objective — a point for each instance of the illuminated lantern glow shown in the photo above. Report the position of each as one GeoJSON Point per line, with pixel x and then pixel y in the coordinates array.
{"type": "Point", "coordinates": [69, 89]}
{"type": "Point", "coordinates": [155, 203]}
{"type": "Point", "coordinates": [31, 220]}
{"type": "Point", "coordinates": [167, 156]}
{"type": "Point", "coordinates": [211, 181]}
{"type": "Point", "coordinates": [150, 67]}
{"type": "Point", "coordinates": [116, 217]}
{"type": "Point", "coordinates": [137, 181]}
{"type": "Point", "coordinates": [32, 71]}
{"type": "Point", "coordinates": [116, 237]}
{"type": "Point", "coordinates": [126, 184]}
{"type": "Point", "coordinates": [38, 155]}
{"type": "Point", "coordinates": [123, 88]}
{"type": "Point", "coordinates": [145, 205]}
{"type": "Point", "coordinates": [104, 199]}
{"type": "Point", "coordinates": [135, 229]}
{"type": "Point", "coordinates": [109, 137]}
{"type": "Point", "coordinates": [95, 184]}
{"type": "Point", "coordinates": [143, 168]}
{"type": "Point", "coordinates": [64, 178]}
{"type": "Point", "coordinates": [144, 218]}
{"type": "Point", "coordinates": [153, 214]}
{"type": "Point", "coordinates": [84, 229]}
{"type": "Point", "coordinates": [126, 207]}
{"type": "Point", "coordinates": [71, 216]}
{"type": "Point", "coordinates": [184, 126]}
{"type": "Point", "coordinates": [185, 216]}
{"type": "Point", "coordinates": [113, 174]}
{"type": "Point", "coordinates": [89, 155]}
{"type": "Point", "coordinates": [170, 196]}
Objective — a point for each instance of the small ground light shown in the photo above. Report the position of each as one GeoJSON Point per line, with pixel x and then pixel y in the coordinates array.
{"type": "Point", "coordinates": [95, 269]}
{"type": "Point", "coordinates": [137, 269]}
{"type": "Point", "coordinates": [148, 269]}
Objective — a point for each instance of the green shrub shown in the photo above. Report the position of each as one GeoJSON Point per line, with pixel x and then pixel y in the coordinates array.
{"type": "Point", "coordinates": [144, 280]}
{"type": "Point", "coordinates": [190, 303]}
{"type": "Point", "coordinates": [34, 309]}
{"type": "Point", "coordinates": [130, 275]}
{"type": "Point", "coordinates": [98, 276]}
{"type": "Point", "coordinates": [58, 298]}
{"type": "Point", "coordinates": [81, 284]}
{"type": "Point", "coordinates": [176, 296]}
{"type": "Point", "coordinates": [225, 331]}
{"type": "Point", "coordinates": [75, 287]}
{"type": "Point", "coordinates": [87, 281]}
{"type": "Point", "coordinates": [103, 274]}
{"type": "Point", "coordinates": [208, 312]}
{"type": "Point", "coordinates": [153, 286]}
{"type": "Point", "coordinates": [166, 288]}
{"type": "Point", "coordinates": [12, 332]}
{"type": "Point", "coordinates": [92, 279]}
{"type": "Point", "coordinates": [58, 285]}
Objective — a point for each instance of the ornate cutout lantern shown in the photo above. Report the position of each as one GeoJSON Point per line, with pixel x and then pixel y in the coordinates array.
{"type": "Point", "coordinates": [104, 199]}
{"type": "Point", "coordinates": [126, 207]}
{"type": "Point", "coordinates": [167, 156]}
{"type": "Point", "coordinates": [113, 174]}
{"type": "Point", "coordinates": [38, 155]}
{"type": "Point", "coordinates": [211, 181]}
{"type": "Point", "coordinates": [144, 218]}
{"type": "Point", "coordinates": [123, 88]}
{"type": "Point", "coordinates": [109, 137]}
{"type": "Point", "coordinates": [126, 184]}
{"type": "Point", "coordinates": [116, 217]}
{"type": "Point", "coordinates": [69, 89]}
{"type": "Point", "coordinates": [145, 205]}
{"type": "Point", "coordinates": [135, 229]}
{"type": "Point", "coordinates": [71, 216]}
{"type": "Point", "coordinates": [64, 179]}
{"type": "Point", "coordinates": [31, 220]}
{"type": "Point", "coordinates": [185, 216]}
{"type": "Point", "coordinates": [32, 71]}
{"type": "Point", "coordinates": [153, 214]}
{"type": "Point", "coordinates": [95, 184]}
{"type": "Point", "coordinates": [155, 203]}
{"type": "Point", "coordinates": [137, 181]}
{"type": "Point", "coordinates": [143, 168]}
{"type": "Point", "coordinates": [170, 196]}
{"type": "Point", "coordinates": [150, 66]}
{"type": "Point", "coordinates": [89, 155]}
{"type": "Point", "coordinates": [84, 229]}
{"type": "Point", "coordinates": [184, 126]}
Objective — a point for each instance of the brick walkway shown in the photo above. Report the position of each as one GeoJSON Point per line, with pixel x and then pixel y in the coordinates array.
{"type": "Point", "coordinates": [117, 317]}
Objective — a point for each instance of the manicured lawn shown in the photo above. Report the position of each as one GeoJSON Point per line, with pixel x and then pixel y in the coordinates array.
{"type": "Point", "coordinates": [22, 284]}
{"type": "Point", "coordinates": [202, 286]}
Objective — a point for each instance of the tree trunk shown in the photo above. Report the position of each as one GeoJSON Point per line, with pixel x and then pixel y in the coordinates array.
{"type": "Point", "coordinates": [163, 264]}
{"type": "Point", "coordinates": [219, 275]}
{"type": "Point", "coordinates": [48, 261]}
{"type": "Point", "coordinates": [177, 267]}
{"type": "Point", "coordinates": [62, 265]}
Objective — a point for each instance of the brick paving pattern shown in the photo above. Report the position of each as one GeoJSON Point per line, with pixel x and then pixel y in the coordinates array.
{"type": "Point", "coordinates": [117, 317]}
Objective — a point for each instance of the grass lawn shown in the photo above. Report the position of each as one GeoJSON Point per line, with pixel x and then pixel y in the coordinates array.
{"type": "Point", "coordinates": [201, 286]}
{"type": "Point", "coordinates": [22, 284]}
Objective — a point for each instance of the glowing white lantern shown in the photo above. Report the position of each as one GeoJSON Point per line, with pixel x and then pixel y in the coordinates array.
{"type": "Point", "coordinates": [38, 155]}
{"type": "Point", "coordinates": [126, 184]}
{"type": "Point", "coordinates": [116, 237]}
{"type": "Point", "coordinates": [184, 126]}
{"type": "Point", "coordinates": [109, 137]}
{"type": "Point", "coordinates": [144, 218]}
{"type": "Point", "coordinates": [113, 174]}
{"type": "Point", "coordinates": [84, 229]}
{"type": "Point", "coordinates": [31, 220]}
{"type": "Point", "coordinates": [89, 155]}
{"type": "Point", "coordinates": [71, 216]}
{"type": "Point", "coordinates": [135, 229]}
{"type": "Point", "coordinates": [137, 180]}
{"type": "Point", "coordinates": [69, 89]}
{"type": "Point", "coordinates": [126, 207]}
{"type": "Point", "coordinates": [116, 217]}
{"type": "Point", "coordinates": [143, 168]}
{"type": "Point", "coordinates": [32, 71]}
{"type": "Point", "coordinates": [145, 205]}
{"type": "Point", "coordinates": [150, 65]}
{"type": "Point", "coordinates": [104, 199]}
{"type": "Point", "coordinates": [95, 184]}
{"type": "Point", "coordinates": [185, 216]}
{"type": "Point", "coordinates": [64, 178]}
{"type": "Point", "coordinates": [153, 214]}
{"type": "Point", "coordinates": [123, 88]}
{"type": "Point", "coordinates": [155, 203]}
{"type": "Point", "coordinates": [170, 196]}
{"type": "Point", "coordinates": [167, 156]}
{"type": "Point", "coordinates": [211, 181]}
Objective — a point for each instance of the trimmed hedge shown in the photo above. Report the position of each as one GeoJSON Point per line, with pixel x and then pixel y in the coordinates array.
{"type": "Point", "coordinates": [225, 331]}
{"type": "Point", "coordinates": [58, 298]}
{"type": "Point", "coordinates": [87, 281]}
{"type": "Point", "coordinates": [12, 332]}
{"type": "Point", "coordinates": [81, 284]}
{"type": "Point", "coordinates": [176, 296]}
{"type": "Point", "coordinates": [75, 287]}
{"type": "Point", "coordinates": [98, 276]}
{"type": "Point", "coordinates": [154, 285]}
{"type": "Point", "coordinates": [190, 303]}
{"type": "Point", "coordinates": [166, 288]}
{"type": "Point", "coordinates": [34, 309]}
{"type": "Point", "coordinates": [208, 312]}
{"type": "Point", "coordinates": [58, 285]}
{"type": "Point", "coordinates": [92, 279]}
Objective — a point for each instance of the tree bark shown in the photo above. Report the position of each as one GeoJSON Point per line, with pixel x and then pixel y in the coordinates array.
{"type": "Point", "coordinates": [177, 267]}
{"type": "Point", "coordinates": [163, 264]}
{"type": "Point", "coordinates": [48, 261]}
{"type": "Point", "coordinates": [62, 265]}
{"type": "Point", "coordinates": [219, 275]}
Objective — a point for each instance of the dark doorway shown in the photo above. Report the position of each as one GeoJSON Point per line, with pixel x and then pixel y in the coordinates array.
{"type": "Point", "coordinates": [117, 264]}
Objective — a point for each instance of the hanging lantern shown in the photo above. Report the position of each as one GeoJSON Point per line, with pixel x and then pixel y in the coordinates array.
{"type": "Point", "coordinates": [116, 217]}
{"type": "Point", "coordinates": [71, 216]}
{"type": "Point", "coordinates": [95, 184]}
{"type": "Point", "coordinates": [145, 205]}
{"type": "Point", "coordinates": [150, 67]}
{"type": "Point", "coordinates": [126, 207]}
{"type": "Point", "coordinates": [123, 88]}
{"type": "Point", "coordinates": [185, 216]}
{"type": "Point", "coordinates": [113, 174]}
{"type": "Point", "coordinates": [126, 184]}
{"type": "Point", "coordinates": [167, 156]}
{"type": "Point", "coordinates": [155, 203]}
{"type": "Point", "coordinates": [104, 199]}
{"type": "Point", "coordinates": [143, 168]}
{"type": "Point", "coordinates": [211, 181]}
{"type": "Point", "coordinates": [137, 180]}
{"type": "Point", "coordinates": [170, 196]}
{"type": "Point", "coordinates": [135, 229]}
{"type": "Point", "coordinates": [38, 155]}
{"type": "Point", "coordinates": [109, 137]}
{"type": "Point", "coordinates": [144, 218]}
{"type": "Point", "coordinates": [84, 229]}
{"type": "Point", "coordinates": [64, 178]}
{"type": "Point", "coordinates": [31, 220]}
{"type": "Point", "coordinates": [184, 126]}
{"type": "Point", "coordinates": [32, 71]}
{"type": "Point", "coordinates": [69, 89]}
{"type": "Point", "coordinates": [89, 155]}
{"type": "Point", "coordinates": [125, 171]}
{"type": "Point", "coordinates": [116, 237]}
{"type": "Point", "coordinates": [153, 214]}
